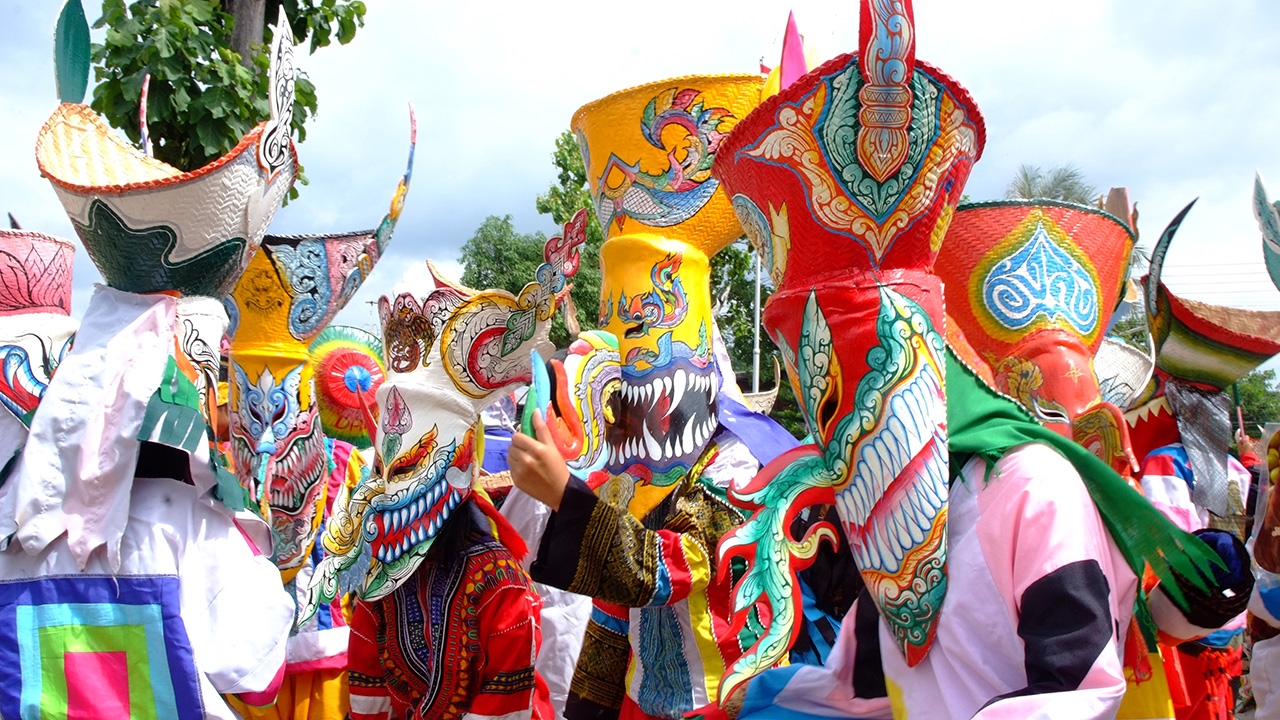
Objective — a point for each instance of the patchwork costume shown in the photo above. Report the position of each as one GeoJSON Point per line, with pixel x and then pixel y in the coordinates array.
{"type": "Point", "coordinates": [638, 535]}
{"type": "Point", "coordinates": [128, 553]}
{"type": "Point", "coordinates": [955, 502]}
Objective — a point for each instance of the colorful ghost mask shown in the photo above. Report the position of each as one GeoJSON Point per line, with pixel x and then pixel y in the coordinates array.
{"type": "Point", "coordinates": [291, 290]}
{"type": "Point", "coordinates": [448, 355]}
{"type": "Point", "coordinates": [35, 327]}
{"type": "Point", "coordinates": [846, 182]}
{"type": "Point", "coordinates": [648, 152]}
{"type": "Point", "coordinates": [1200, 350]}
{"type": "Point", "coordinates": [1033, 284]}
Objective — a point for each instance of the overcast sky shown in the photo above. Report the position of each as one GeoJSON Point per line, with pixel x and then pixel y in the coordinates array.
{"type": "Point", "coordinates": [1173, 98]}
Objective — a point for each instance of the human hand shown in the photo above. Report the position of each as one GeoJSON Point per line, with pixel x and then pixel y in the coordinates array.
{"type": "Point", "coordinates": [1245, 443]}
{"type": "Point", "coordinates": [536, 465]}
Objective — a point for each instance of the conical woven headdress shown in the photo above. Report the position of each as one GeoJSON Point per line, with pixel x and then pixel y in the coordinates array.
{"type": "Point", "coordinates": [1033, 284]}
{"type": "Point", "coordinates": [150, 227]}
{"type": "Point", "coordinates": [846, 182]}
{"type": "Point", "coordinates": [1200, 350]}
{"type": "Point", "coordinates": [648, 153]}
{"type": "Point", "coordinates": [35, 330]}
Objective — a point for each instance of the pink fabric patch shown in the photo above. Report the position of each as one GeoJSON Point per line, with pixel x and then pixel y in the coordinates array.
{"type": "Point", "coordinates": [267, 696]}
{"type": "Point", "coordinates": [248, 540]}
{"type": "Point", "coordinates": [97, 685]}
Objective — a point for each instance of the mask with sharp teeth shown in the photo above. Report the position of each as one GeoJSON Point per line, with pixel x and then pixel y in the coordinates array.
{"type": "Point", "coordinates": [291, 290]}
{"type": "Point", "coordinates": [448, 356]}
{"type": "Point", "coordinates": [1033, 285]}
{"type": "Point", "coordinates": [648, 153]}
{"type": "Point", "coordinates": [846, 182]}
{"type": "Point", "coordinates": [667, 399]}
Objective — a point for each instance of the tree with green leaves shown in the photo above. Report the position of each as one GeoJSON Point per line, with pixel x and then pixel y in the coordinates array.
{"type": "Point", "coordinates": [497, 256]}
{"type": "Point", "coordinates": [1061, 182]}
{"type": "Point", "coordinates": [208, 65]}
{"type": "Point", "coordinates": [1260, 399]}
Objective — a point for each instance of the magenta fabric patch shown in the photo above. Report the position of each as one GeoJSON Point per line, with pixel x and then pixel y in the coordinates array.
{"type": "Point", "coordinates": [97, 685]}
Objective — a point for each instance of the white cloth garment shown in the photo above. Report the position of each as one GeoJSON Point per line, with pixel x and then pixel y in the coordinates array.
{"type": "Point", "coordinates": [234, 614]}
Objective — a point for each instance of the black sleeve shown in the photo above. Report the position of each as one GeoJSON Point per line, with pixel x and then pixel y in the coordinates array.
{"type": "Point", "coordinates": [1065, 623]}
{"type": "Point", "coordinates": [561, 546]}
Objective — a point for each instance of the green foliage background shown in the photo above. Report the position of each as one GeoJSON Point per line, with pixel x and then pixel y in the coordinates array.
{"type": "Point", "coordinates": [499, 256]}
{"type": "Point", "coordinates": [202, 98]}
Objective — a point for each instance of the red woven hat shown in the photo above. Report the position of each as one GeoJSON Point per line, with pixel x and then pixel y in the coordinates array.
{"type": "Point", "coordinates": [1033, 284]}
{"type": "Point", "coordinates": [796, 172]}
{"type": "Point", "coordinates": [845, 183]}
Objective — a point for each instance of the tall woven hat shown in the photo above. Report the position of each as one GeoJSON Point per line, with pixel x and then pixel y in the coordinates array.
{"type": "Point", "coordinates": [1201, 349]}
{"type": "Point", "coordinates": [845, 183]}
{"type": "Point", "coordinates": [290, 292]}
{"type": "Point", "coordinates": [35, 273]}
{"type": "Point", "coordinates": [648, 153]}
{"type": "Point", "coordinates": [150, 227]}
{"type": "Point", "coordinates": [1033, 285]}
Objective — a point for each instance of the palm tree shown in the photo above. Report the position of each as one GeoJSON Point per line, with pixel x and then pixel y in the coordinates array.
{"type": "Point", "coordinates": [1062, 182]}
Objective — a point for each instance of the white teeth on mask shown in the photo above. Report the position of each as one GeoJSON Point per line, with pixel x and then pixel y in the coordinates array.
{"type": "Point", "coordinates": [655, 450]}
{"type": "Point", "coordinates": [677, 389]}
{"type": "Point", "coordinates": [687, 443]}
{"type": "Point", "coordinates": [666, 386]}
{"type": "Point", "coordinates": [667, 450]}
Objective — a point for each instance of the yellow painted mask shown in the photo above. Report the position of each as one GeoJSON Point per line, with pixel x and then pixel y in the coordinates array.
{"type": "Point", "coordinates": [656, 299]}
{"type": "Point", "coordinates": [293, 288]}
{"type": "Point", "coordinates": [648, 152]}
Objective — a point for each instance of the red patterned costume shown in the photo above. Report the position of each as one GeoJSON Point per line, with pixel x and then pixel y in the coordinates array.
{"type": "Point", "coordinates": [455, 640]}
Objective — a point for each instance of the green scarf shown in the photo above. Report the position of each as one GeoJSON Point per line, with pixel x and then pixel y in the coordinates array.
{"type": "Point", "coordinates": [983, 423]}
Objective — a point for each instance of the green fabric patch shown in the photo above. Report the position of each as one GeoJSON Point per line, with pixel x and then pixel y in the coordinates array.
{"type": "Point", "coordinates": [136, 261]}
{"type": "Point", "coordinates": [980, 422]}
{"type": "Point", "coordinates": [173, 414]}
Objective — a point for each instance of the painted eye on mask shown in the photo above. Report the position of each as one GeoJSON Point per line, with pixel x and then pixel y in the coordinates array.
{"type": "Point", "coordinates": [635, 331]}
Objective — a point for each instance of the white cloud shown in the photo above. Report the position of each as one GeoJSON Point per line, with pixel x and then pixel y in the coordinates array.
{"type": "Point", "coordinates": [1162, 97]}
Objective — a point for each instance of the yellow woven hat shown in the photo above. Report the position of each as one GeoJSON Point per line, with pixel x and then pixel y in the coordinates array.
{"type": "Point", "coordinates": [648, 153]}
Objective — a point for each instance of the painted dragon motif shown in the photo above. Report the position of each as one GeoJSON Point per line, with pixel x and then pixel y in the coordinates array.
{"type": "Point", "coordinates": [676, 194]}
{"type": "Point", "coordinates": [885, 468]}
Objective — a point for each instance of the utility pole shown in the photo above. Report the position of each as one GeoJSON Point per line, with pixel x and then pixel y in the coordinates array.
{"type": "Point", "coordinates": [755, 350]}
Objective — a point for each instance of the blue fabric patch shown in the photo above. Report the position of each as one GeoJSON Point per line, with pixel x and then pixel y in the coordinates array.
{"type": "Point", "coordinates": [662, 582]}
{"type": "Point", "coordinates": [665, 687]}
{"type": "Point", "coordinates": [1181, 463]}
{"type": "Point", "coordinates": [609, 622]}
{"type": "Point", "coordinates": [149, 602]}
